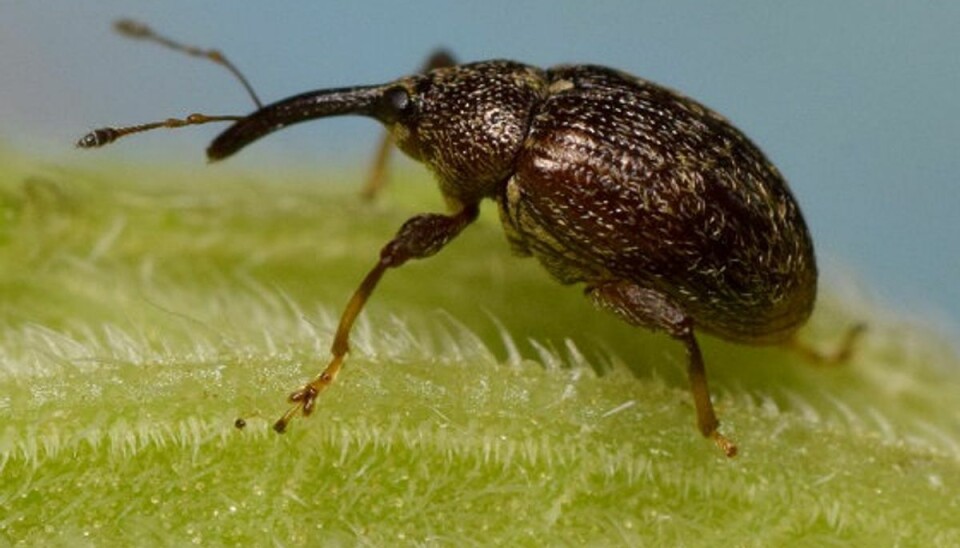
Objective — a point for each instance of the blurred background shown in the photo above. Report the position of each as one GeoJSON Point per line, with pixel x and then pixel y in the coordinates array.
{"type": "Point", "coordinates": [855, 101]}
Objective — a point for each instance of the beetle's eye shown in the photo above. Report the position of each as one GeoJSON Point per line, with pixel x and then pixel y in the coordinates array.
{"type": "Point", "coordinates": [396, 103]}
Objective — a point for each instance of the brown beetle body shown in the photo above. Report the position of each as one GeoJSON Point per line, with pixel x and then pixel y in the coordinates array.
{"type": "Point", "coordinates": [606, 177]}
{"type": "Point", "coordinates": [669, 215]}
{"type": "Point", "coordinates": [621, 179]}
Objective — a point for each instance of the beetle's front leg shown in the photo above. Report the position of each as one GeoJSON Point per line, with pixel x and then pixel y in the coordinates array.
{"type": "Point", "coordinates": [419, 237]}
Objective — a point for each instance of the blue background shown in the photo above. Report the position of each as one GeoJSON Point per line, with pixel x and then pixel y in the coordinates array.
{"type": "Point", "coordinates": [856, 101]}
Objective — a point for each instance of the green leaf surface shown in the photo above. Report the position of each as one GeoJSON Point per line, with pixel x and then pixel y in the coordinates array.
{"type": "Point", "coordinates": [144, 309]}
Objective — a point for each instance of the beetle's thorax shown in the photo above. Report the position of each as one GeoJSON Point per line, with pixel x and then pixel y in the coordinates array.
{"type": "Point", "coordinates": [469, 123]}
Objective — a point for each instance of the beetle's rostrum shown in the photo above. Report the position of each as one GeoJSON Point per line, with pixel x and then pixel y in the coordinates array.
{"type": "Point", "coordinates": [668, 215]}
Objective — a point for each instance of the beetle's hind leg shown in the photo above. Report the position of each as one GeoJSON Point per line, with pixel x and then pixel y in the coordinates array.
{"type": "Point", "coordinates": [651, 309]}
{"type": "Point", "coordinates": [839, 356]}
{"type": "Point", "coordinates": [377, 177]}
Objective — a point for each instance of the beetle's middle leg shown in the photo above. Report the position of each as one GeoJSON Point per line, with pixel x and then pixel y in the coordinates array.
{"type": "Point", "coordinates": [419, 237]}
{"type": "Point", "coordinates": [377, 177]}
{"type": "Point", "coordinates": [651, 309]}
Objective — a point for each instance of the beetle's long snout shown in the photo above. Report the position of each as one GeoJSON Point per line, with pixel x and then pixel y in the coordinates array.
{"type": "Point", "coordinates": [293, 110]}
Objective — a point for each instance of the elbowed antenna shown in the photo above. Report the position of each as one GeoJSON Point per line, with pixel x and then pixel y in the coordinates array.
{"type": "Point", "coordinates": [139, 31]}
{"type": "Point", "coordinates": [362, 100]}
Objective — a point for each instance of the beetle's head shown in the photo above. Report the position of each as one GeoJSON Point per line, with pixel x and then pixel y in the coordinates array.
{"type": "Point", "coordinates": [466, 123]}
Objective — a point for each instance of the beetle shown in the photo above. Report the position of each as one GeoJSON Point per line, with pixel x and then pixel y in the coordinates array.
{"type": "Point", "coordinates": [667, 215]}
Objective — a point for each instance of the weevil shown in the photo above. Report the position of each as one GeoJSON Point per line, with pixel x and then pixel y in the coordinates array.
{"type": "Point", "coordinates": [666, 214]}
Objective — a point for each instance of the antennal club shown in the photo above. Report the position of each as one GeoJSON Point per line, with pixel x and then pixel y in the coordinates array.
{"type": "Point", "coordinates": [106, 135]}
